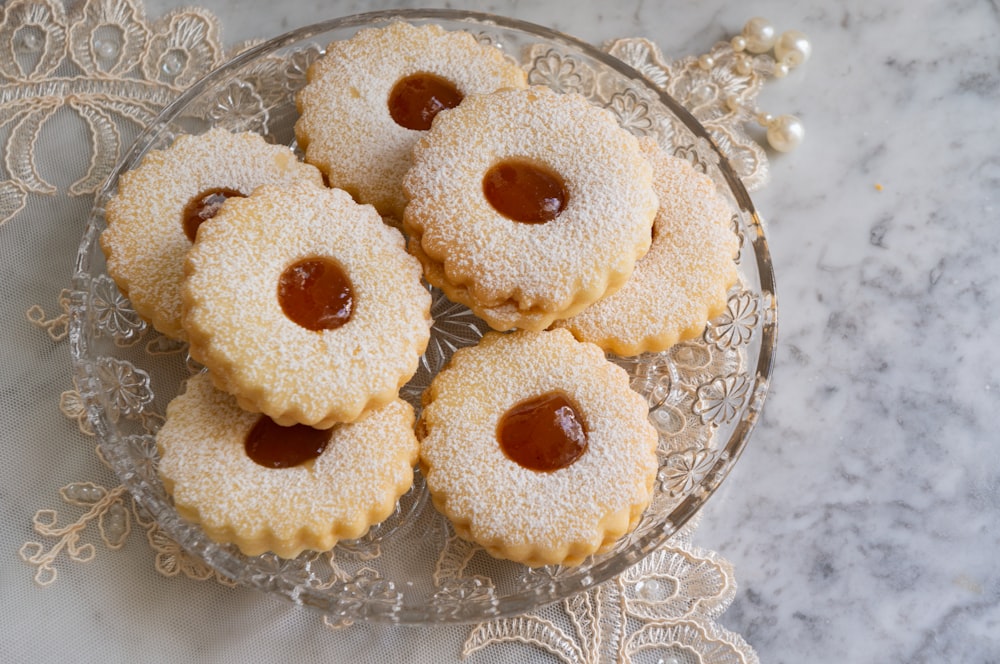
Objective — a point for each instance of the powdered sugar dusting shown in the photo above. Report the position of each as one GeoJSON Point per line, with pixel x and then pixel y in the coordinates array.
{"type": "Point", "coordinates": [550, 268]}
{"type": "Point", "coordinates": [535, 517]}
{"type": "Point", "coordinates": [682, 282]}
{"type": "Point", "coordinates": [345, 126]}
{"type": "Point", "coordinates": [353, 484]}
{"type": "Point", "coordinates": [272, 365]}
{"type": "Point", "coordinates": [145, 243]}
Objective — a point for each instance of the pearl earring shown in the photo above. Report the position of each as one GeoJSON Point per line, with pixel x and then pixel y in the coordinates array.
{"type": "Point", "coordinates": [758, 35]}
{"type": "Point", "coordinates": [791, 49]}
{"type": "Point", "coordinates": [785, 132]}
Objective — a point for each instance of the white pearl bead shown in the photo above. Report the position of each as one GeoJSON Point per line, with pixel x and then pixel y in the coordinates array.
{"type": "Point", "coordinates": [649, 590]}
{"type": "Point", "coordinates": [785, 132]}
{"type": "Point", "coordinates": [764, 118]}
{"type": "Point", "coordinates": [701, 95]}
{"type": "Point", "coordinates": [105, 49]}
{"type": "Point", "coordinates": [706, 62]}
{"type": "Point", "coordinates": [760, 35]}
{"type": "Point", "coordinates": [792, 48]}
{"type": "Point", "coordinates": [29, 41]}
{"type": "Point", "coordinates": [171, 64]}
{"type": "Point", "coordinates": [738, 43]}
{"type": "Point", "coordinates": [744, 66]}
{"type": "Point", "coordinates": [781, 69]}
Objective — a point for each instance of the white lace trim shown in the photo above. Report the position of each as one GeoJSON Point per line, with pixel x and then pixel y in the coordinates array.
{"type": "Point", "coordinates": [664, 607]}
{"type": "Point", "coordinates": [104, 62]}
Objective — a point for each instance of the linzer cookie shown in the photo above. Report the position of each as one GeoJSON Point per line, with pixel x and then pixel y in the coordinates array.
{"type": "Point", "coordinates": [304, 305]}
{"type": "Point", "coordinates": [153, 219]}
{"type": "Point", "coordinates": [270, 488]}
{"type": "Point", "coordinates": [681, 283]}
{"type": "Point", "coordinates": [528, 205]}
{"type": "Point", "coordinates": [534, 446]}
{"type": "Point", "coordinates": [372, 96]}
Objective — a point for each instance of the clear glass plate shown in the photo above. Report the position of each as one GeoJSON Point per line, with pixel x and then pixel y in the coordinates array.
{"type": "Point", "coordinates": [704, 395]}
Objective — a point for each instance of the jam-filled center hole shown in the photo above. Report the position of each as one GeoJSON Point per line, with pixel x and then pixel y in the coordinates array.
{"type": "Point", "coordinates": [316, 293]}
{"type": "Point", "coordinates": [544, 433]}
{"type": "Point", "coordinates": [203, 207]}
{"type": "Point", "coordinates": [525, 191]}
{"type": "Point", "coordinates": [417, 98]}
{"type": "Point", "coordinates": [274, 446]}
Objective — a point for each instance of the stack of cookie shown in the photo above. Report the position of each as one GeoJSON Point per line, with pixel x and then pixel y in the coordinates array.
{"type": "Point", "coordinates": [309, 315]}
{"type": "Point", "coordinates": [535, 209]}
{"type": "Point", "coordinates": [528, 205]}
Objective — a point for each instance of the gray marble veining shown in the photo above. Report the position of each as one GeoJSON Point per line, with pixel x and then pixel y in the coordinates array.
{"type": "Point", "coordinates": [862, 519]}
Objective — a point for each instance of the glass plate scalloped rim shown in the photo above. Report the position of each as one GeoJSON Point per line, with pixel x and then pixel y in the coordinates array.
{"type": "Point", "coordinates": [705, 395]}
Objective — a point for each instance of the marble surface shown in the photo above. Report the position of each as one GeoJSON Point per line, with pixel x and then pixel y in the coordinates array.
{"type": "Point", "coordinates": [862, 518]}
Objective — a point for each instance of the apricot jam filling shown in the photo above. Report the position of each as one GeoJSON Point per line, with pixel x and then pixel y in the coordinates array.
{"type": "Point", "coordinates": [416, 99]}
{"type": "Point", "coordinates": [524, 191]}
{"type": "Point", "coordinates": [274, 446]}
{"type": "Point", "coordinates": [203, 207]}
{"type": "Point", "coordinates": [544, 433]}
{"type": "Point", "coordinates": [316, 293]}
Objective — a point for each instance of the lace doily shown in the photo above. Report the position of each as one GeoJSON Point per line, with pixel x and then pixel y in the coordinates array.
{"type": "Point", "coordinates": [720, 96]}
{"type": "Point", "coordinates": [664, 608]}
{"type": "Point", "coordinates": [104, 63]}
{"type": "Point", "coordinates": [107, 66]}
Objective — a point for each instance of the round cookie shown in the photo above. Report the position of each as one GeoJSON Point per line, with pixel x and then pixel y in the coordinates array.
{"type": "Point", "coordinates": [352, 484]}
{"type": "Point", "coordinates": [146, 241]}
{"type": "Point", "coordinates": [247, 285]}
{"type": "Point", "coordinates": [526, 273]}
{"type": "Point", "coordinates": [346, 127]}
{"type": "Point", "coordinates": [532, 510]}
{"type": "Point", "coordinates": [682, 282]}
